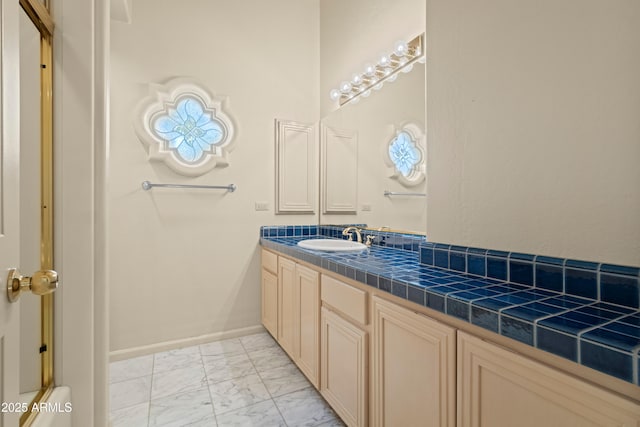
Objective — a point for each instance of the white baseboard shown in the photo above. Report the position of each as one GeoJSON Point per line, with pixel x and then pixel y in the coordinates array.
{"type": "Point", "coordinates": [185, 342]}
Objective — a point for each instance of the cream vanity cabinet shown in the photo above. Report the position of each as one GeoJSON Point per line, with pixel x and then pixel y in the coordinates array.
{"type": "Point", "coordinates": [286, 304]}
{"type": "Point", "coordinates": [291, 311]}
{"type": "Point", "coordinates": [499, 388]}
{"type": "Point", "coordinates": [344, 355]}
{"type": "Point", "coordinates": [378, 363]}
{"type": "Point", "coordinates": [413, 372]}
{"type": "Point", "coordinates": [270, 292]}
{"type": "Point", "coordinates": [307, 323]}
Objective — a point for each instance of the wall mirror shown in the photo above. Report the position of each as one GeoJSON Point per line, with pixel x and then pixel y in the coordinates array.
{"type": "Point", "coordinates": [354, 169]}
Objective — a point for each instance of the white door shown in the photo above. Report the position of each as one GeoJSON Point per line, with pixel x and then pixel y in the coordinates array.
{"type": "Point", "coordinates": [9, 214]}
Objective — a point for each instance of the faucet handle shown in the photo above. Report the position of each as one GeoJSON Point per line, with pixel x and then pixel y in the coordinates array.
{"type": "Point", "coordinates": [348, 232]}
{"type": "Point", "coordinates": [370, 239]}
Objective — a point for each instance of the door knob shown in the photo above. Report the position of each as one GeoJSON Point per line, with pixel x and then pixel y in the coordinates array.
{"type": "Point", "coordinates": [42, 282]}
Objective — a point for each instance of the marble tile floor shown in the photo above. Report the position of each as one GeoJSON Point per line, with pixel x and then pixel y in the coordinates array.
{"type": "Point", "coordinates": [247, 381]}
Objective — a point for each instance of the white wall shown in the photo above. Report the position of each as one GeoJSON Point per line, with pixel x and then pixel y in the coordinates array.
{"type": "Point", "coordinates": [186, 263]}
{"type": "Point", "coordinates": [533, 126]}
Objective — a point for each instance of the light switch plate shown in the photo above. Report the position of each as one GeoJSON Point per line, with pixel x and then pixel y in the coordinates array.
{"type": "Point", "coordinates": [262, 206]}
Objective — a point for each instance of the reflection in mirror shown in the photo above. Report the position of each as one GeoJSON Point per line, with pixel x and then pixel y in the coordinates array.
{"type": "Point", "coordinates": [30, 339]}
{"type": "Point", "coordinates": [360, 172]}
{"type": "Point", "coordinates": [406, 157]}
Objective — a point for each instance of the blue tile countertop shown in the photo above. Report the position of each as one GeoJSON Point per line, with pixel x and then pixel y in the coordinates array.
{"type": "Point", "coordinates": [583, 328]}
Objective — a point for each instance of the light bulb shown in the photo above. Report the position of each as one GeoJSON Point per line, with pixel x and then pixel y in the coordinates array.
{"type": "Point", "coordinates": [366, 93]}
{"type": "Point", "coordinates": [334, 94]}
{"type": "Point", "coordinates": [400, 48]}
{"type": "Point", "coordinates": [392, 78]}
{"type": "Point", "coordinates": [356, 79]}
{"type": "Point", "coordinates": [403, 60]}
{"type": "Point", "coordinates": [384, 60]}
{"type": "Point", "coordinates": [378, 86]}
{"type": "Point", "coordinates": [418, 51]}
{"type": "Point", "coordinates": [369, 70]}
{"type": "Point", "coordinates": [345, 87]}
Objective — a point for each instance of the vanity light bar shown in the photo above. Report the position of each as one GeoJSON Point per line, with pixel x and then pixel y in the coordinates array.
{"type": "Point", "coordinates": [386, 69]}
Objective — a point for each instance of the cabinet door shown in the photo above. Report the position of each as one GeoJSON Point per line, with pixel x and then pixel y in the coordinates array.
{"type": "Point", "coordinates": [413, 380]}
{"type": "Point", "coordinates": [307, 333]}
{"type": "Point", "coordinates": [498, 388]}
{"type": "Point", "coordinates": [286, 304]}
{"type": "Point", "coordinates": [270, 302]}
{"type": "Point", "coordinates": [344, 368]}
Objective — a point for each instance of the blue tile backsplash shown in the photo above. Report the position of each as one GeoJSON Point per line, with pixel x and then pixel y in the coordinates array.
{"type": "Point", "coordinates": [604, 282]}
{"type": "Point", "coordinates": [580, 282]}
{"type": "Point", "coordinates": [549, 277]}
{"type": "Point", "coordinates": [582, 311]}
{"type": "Point", "coordinates": [410, 242]}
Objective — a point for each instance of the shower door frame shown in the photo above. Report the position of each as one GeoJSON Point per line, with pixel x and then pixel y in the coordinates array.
{"type": "Point", "coordinates": [39, 14]}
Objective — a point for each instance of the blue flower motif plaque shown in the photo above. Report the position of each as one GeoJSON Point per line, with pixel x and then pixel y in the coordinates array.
{"type": "Point", "coordinates": [404, 153]}
{"type": "Point", "coordinates": [189, 129]}
{"type": "Point", "coordinates": [181, 124]}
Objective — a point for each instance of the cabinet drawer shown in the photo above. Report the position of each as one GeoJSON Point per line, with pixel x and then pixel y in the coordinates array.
{"type": "Point", "coordinates": [270, 261]}
{"type": "Point", "coordinates": [345, 298]}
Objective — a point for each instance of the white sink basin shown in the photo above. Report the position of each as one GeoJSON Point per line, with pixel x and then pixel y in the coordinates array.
{"type": "Point", "coordinates": [331, 245]}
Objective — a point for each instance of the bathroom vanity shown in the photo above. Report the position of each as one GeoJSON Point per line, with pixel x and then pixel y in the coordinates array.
{"type": "Point", "coordinates": [381, 358]}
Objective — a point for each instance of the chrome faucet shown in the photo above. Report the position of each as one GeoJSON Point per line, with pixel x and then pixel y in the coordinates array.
{"type": "Point", "coordinates": [348, 231]}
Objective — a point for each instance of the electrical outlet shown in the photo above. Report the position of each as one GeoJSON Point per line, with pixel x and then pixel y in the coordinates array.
{"type": "Point", "coordinates": [366, 208]}
{"type": "Point", "coordinates": [262, 206]}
